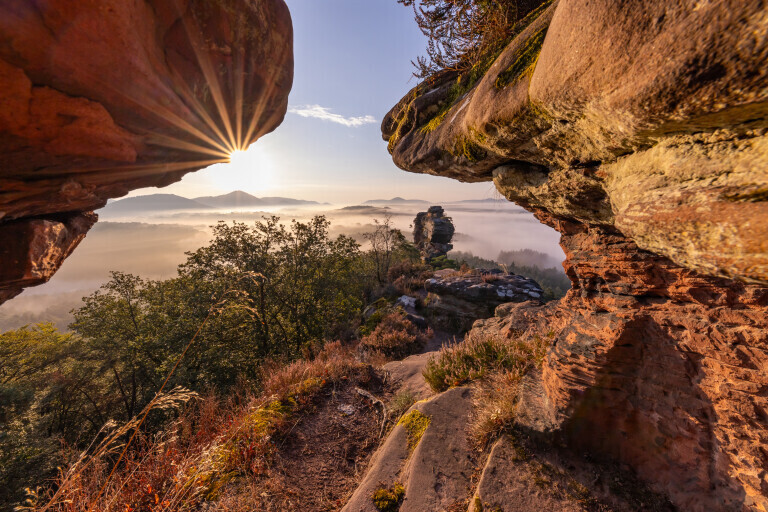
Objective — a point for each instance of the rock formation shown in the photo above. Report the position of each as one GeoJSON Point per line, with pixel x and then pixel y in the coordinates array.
{"type": "Point", "coordinates": [457, 299]}
{"type": "Point", "coordinates": [432, 233]}
{"type": "Point", "coordinates": [640, 133]}
{"type": "Point", "coordinates": [100, 98]}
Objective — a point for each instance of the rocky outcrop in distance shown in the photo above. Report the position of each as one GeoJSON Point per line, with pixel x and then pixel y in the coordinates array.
{"type": "Point", "coordinates": [640, 133]}
{"type": "Point", "coordinates": [456, 299]}
{"type": "Point", "coordinates": [100, 98]}
{"type": "Point", "coordinates": [432, 233]}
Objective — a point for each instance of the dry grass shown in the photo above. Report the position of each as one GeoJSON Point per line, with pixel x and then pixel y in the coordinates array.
{"type": "Point", "coordinates": [478, 356]}
{"type": "Point", "coordinates": [210, 445]}
{"type": "Point", "coordinates": [498, 365]}
{"type": "Point", "coordinates": [495, 407]}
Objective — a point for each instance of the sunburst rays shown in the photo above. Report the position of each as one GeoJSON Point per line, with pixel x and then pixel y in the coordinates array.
{"type": "Point", "coordinates": [229, 123]}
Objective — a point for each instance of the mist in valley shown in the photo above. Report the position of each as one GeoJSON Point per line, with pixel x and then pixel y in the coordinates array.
{"type": "Point", "coordinates": [151, 240]}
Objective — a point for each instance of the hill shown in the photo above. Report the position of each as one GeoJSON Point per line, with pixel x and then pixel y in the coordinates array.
{"type": "Point", "coordinates": [240, 199]}
{"type": "Point", "coordinates": [396, 200]}
{"type": "Point", "coordinates": [151, 203]}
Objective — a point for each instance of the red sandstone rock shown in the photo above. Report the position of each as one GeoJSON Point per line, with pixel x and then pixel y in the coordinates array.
{"type": "Point", "coordinates": [640, 135]}
{"type": "Point", "coordinates": [654, 365]}
{"type": "Point", "coordinates": [101, 97]}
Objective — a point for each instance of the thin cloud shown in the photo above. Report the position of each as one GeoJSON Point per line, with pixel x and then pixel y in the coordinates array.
{"type": "Point", "coordinates": [325, 114]}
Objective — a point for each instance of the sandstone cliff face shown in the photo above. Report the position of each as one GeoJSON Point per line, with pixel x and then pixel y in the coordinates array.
{"type": "Point", "coordinates": [98, 98]}
{"type": "Point", "coordinates": [639, 133]}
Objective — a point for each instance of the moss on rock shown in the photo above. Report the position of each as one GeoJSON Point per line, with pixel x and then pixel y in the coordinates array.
{"type": "Point", "coordinates": [415, 423]}
{"type": "Point", "coordinates": [388, 499]}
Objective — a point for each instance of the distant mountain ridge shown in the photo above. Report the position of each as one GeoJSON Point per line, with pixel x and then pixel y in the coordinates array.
{"type": "Point", "coordinates": [172, 202]}
{"type": "Point", "coordinates": [152, 202]}
{"type": "Point", "coordinates": [398, 200]}
{"type": "Point", "coordinates": [239, 199]}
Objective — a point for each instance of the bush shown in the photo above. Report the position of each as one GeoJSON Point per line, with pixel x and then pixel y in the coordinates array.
{"type": "Point", "coordinates": [395, 337]}
{"type": "Point", "coordinates": [401, 402]}
{"type": "Point", "coordinates": [478, 356]}
{"type": "Point", "coordinates": [409, 276]}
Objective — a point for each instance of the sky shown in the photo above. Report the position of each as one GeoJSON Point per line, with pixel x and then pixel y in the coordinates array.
{"type": "Point", "coordinates": [352, 65]}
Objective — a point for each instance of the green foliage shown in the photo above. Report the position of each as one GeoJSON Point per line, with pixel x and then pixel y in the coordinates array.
{"type": "Point", "coordinates": [388, 247]}
{"type": "Point", "coordinates": [478, 356]}
{"type": "Point", "coordinates": [46, 386]}
{"type": "Point", "coordinates": [443, 262]}
{"type": "Point", "coordinates": [268, 291]}
{"type": "Point", "coordinates": [388, 499]}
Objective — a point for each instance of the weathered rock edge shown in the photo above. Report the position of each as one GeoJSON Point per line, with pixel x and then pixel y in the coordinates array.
{"type": "Point", "coordinates": [638, 131]}
{"type": "Point", "coordinates": [100, 98]}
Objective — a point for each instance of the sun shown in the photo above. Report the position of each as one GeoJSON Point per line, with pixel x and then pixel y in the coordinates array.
{"type": "Point", "coordinates": [238, 156]}
{"type": "Point", "coordinates": [251, 169]}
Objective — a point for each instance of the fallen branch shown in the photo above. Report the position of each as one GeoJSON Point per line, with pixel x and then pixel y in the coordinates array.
{"type": "Point", "coordinates": [376, 401]}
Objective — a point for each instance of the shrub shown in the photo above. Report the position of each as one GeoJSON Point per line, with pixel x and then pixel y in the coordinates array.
{"type": "Point", "coordinates": [480, 355]}
{"type": "Point", "coordinates": [395, 337]}
{"type": "Point", "coordinates": [408, 276]}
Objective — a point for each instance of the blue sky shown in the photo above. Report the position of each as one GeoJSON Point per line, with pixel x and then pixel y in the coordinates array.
{"type": "Point", "coordinates": [353, 63]}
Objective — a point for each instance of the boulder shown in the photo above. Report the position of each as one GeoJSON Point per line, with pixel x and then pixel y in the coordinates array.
{"type": "Point", "coordinates": [102, 97]}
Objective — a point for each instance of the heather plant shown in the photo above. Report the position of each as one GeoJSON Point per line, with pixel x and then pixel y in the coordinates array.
{"type": "Point", "coordinates": [481, 355]}
{"type": "Point", "coordinates": [395, 337]}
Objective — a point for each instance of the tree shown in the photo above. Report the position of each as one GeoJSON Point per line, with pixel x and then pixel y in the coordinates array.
{"type": "Point", "coordinates": [388, 245]}
{"type": "Point", "coordinates": [461, 33]}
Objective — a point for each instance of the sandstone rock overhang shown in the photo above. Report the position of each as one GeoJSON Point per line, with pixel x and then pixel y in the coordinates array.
{"type": "Point", "coordinates": [650, 117]}
{"type": "Point", "coordinates": [98, 98]}
{"type": "Point", "coordinates": [638, 130]}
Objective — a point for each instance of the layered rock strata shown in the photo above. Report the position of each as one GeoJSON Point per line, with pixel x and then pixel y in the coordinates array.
{"type": "Point", "coordinates": [639, 133]}
{"type": "Point", "coordinates": [432, 233]}
{"type": "Point", "coordinates": [100, 98]}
